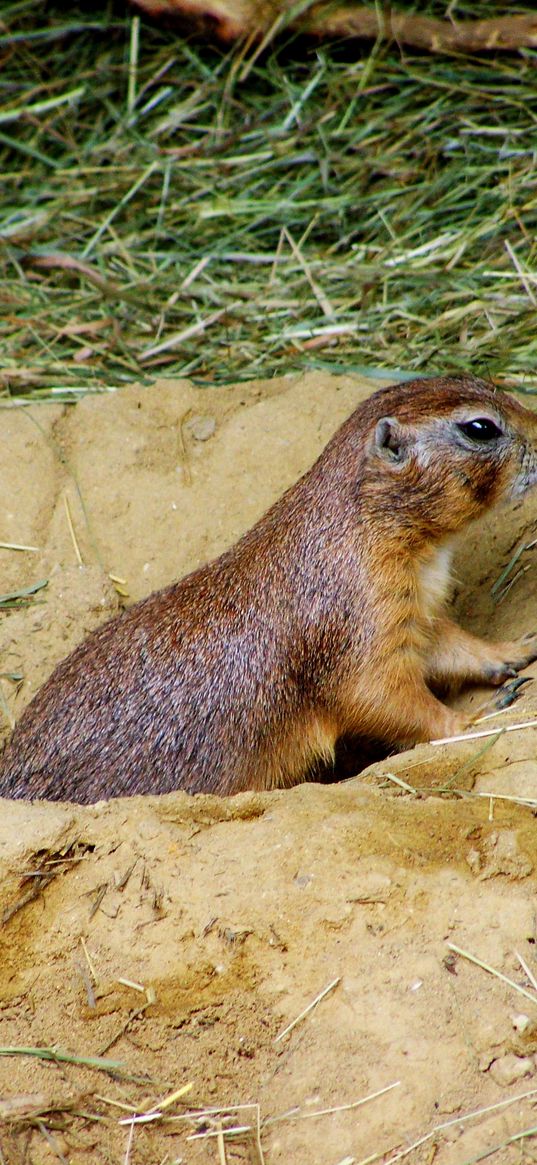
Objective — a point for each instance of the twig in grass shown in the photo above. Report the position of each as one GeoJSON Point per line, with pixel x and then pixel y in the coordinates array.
{"type": "Point", "coordinates": [502, 32]}
{"type": "Point", "coordinates": [492, 971]}
{"type": "Point", "coordinates": [524, 278]}
{"type": "Point", "coordinates": [263, 42]}
{"type": "Point", "coordinates": [109, 287]}
{"type": "Point", "coordinates": [322, 299]}
{"type": "Point", "coordinates": [187, 333]}
{"type": "Point", "coordinates": [196, 270]}
{"type": "Point", "coordinates": [298, 105]}
{"type": "Point", "coordinates": [120, 205]}
{"type": "Point", "coordinates": [307, 1009]}
{"type": "Point", "coordinates": [133, 64]}
{"type": "Point", "coordinates": [38, 107]}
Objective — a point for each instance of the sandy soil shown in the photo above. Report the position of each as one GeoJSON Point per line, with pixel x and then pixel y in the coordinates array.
{"type": "Point", "coordinates": [178, 937]}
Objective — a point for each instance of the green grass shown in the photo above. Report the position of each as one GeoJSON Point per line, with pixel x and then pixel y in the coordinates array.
{"type": "Point", "coordinates": [180, 210]}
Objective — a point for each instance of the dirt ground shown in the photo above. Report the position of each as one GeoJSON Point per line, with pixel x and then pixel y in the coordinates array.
{"type": "Point", "coordinates": [178, 937]}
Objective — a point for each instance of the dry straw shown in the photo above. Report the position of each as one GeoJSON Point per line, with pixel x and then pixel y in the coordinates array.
{"type": "Point", "coordinates": [245, 212]}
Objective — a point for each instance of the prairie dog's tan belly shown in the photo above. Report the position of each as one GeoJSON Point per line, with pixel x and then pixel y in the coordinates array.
{"type": "Point", "coordinates": [434, 579]}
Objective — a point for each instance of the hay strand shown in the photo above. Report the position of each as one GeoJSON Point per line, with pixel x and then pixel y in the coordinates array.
{"type": "Point", "coordinates": [383, 254]}
{"type": "Point", "coordinates": [322, 995]}
{"type": "Point", "coordinates": [493, 971]}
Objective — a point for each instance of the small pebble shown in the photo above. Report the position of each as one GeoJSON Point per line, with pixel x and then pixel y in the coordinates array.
{"type": "Point", "coordinates": [201, 427]}
{"type": "Point", "coordinates": [520, 1022]}
{"type": "Point", "coordinates": [508, 1069]}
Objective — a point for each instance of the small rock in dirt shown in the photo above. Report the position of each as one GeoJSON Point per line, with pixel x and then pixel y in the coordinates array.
{"type": "Point", "coordinates": [201, 428]}
{"type": "Point", "coordinates": [508, 1069]}
{"type": "Point", "coordinates": [520, 1022]}
{"type": "Point", "coordinates": [500, 854]}
{"type": "Point", "coordinates": [473, 858]}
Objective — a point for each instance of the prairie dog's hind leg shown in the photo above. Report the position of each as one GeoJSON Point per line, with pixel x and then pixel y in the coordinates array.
{"type": "Point", "coordinates": [409, 713]}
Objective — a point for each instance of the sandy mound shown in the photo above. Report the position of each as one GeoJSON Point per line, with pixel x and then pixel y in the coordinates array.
{"type": "Point", "coordinates": [177, 936]}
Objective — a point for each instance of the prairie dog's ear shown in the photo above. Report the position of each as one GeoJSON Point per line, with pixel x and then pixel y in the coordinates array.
{"type": "Point", "coordinates": [389, 439]}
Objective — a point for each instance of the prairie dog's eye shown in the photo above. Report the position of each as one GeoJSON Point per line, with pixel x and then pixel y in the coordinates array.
{"type": "Point", "coordinates": [481, 429]}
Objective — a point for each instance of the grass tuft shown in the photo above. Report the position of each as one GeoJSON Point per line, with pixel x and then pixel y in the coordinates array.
{"type": "Point", "coordinates": [170, 207]}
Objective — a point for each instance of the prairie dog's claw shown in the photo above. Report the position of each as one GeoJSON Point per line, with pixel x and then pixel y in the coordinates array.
{"type": "Point", "coordinates": [508, 693]}
{"type": "Point", "coordinates": [503, 698]}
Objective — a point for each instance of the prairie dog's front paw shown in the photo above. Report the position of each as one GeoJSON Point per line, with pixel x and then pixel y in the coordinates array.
{"type": "Point", "coordinates": [498, 673]}
{"type": "Point", "coordinates": [510, 658]}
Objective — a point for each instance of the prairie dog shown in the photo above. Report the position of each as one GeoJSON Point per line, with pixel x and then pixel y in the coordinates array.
{"type": "Point", "coordinates": [327, 619]}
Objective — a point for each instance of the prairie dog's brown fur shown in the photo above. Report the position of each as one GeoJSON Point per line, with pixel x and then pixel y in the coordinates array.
{"type": "Point", "coordinates": [325, 620]}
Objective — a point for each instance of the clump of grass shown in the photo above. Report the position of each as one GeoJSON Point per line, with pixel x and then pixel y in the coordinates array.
{"type": "Point", "coordinates": [174, 208]}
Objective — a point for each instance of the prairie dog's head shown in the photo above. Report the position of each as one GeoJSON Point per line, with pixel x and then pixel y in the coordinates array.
{"type": "Point", "coordinates": [448, 449]}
